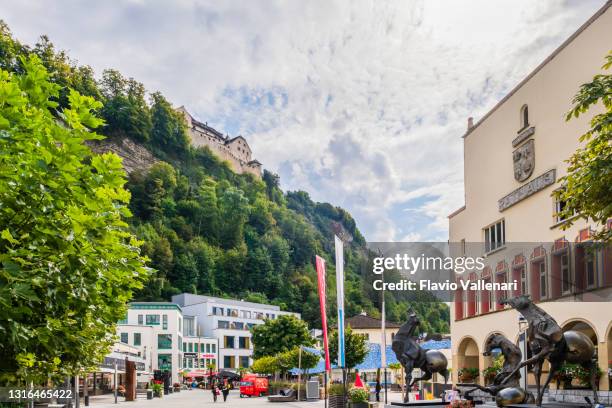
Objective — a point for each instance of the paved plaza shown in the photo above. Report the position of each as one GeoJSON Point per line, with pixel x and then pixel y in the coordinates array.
{"type": "Point", "coordinates": [203, 398]}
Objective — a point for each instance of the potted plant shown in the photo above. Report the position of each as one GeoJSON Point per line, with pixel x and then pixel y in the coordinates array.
{"type": "Point", "coordinates": [584, 376]}
{"type": "Point", "coordinates": [177, 387]}
{"type": "Point", "coordinates": [336, 396]}
{"type": "Point", "coordinates": [157, 389]}
{"type": "Point", "coordinates": [358, 397]}
{"type": "Point", "coordinates": [468, 374]}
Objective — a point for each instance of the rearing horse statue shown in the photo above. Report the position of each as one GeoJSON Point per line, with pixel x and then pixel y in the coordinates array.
{"type": "Point", "coordinates": [411, 355]}
{"type": "Point", "coordinates": [547, 341]}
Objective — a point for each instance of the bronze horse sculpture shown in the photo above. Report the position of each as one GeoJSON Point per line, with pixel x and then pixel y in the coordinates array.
{"type": "Point", "coordinates": [411, 355]}
{"type": "Point", "coordinates": [505, 392]}
{"type": "Point", "coordinates": [547, 341]}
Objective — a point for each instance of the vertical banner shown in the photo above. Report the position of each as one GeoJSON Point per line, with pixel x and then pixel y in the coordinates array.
{"type": "Point", "coordinates": [320, 264]}
{"type": "Point", "coordinates": [383, 345]}
{"type": "Point", "coordinates": [340, 298]}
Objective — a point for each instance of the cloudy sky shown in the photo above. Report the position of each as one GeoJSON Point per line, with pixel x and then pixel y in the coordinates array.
{"type": "Point", "coordinates": [360, 103]}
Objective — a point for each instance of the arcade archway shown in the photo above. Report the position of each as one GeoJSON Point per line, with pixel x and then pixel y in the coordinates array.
{"type": "Point", "coordinates": [468, 357]}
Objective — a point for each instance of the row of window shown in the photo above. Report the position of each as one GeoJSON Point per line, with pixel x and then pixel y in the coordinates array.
{"type": "Point", "coordinates": [245, 314]}
{"type": "Point", "coordinates": [154, 320]}
{"type": "Point", "coordinates": [136, 341]}
{"type": "Point", "coordinates": [201, 348]}
{"type": "Point", "coordinates": [230, 342]}
{"type": "Point", "coordinates": [230, 361]}
{"type": "Point", "coordinates": [224, 324]}
{"type": "Point", "coordinates": [573, 270]}
{"type": "Point", "coordinates": [201, 363]}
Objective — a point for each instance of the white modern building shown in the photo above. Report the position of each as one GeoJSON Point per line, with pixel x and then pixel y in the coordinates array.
{"type": "Point", "coordinates": [229, 322]}
{"type": "Point", "coordinates": [157, 330]}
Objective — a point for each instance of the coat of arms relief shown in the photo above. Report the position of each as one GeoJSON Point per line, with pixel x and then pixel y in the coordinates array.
{"type": "Point", "coordinates": [524, 161]}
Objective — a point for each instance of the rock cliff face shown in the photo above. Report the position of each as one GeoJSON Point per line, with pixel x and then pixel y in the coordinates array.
{"type": "Point", "coordinates": [135, 157]}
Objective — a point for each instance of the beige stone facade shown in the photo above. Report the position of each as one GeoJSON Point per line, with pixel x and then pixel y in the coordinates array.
{"type": "Point", "coordinates": [235, 151]}
{"type": "Point", "coordinates": [514, 157]}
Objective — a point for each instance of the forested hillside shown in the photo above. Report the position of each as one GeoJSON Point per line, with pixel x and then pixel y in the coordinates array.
{"type": "Point", "coordinates": [209, 230]}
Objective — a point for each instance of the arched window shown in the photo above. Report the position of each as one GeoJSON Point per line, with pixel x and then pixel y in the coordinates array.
{"type": "Point", "coordinates": [524, 117]}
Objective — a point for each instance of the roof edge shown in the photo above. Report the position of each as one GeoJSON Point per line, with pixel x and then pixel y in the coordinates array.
{"type": "Point", "coordinates": [537, 69]}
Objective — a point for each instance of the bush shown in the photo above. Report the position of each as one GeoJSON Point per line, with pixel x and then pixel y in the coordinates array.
{"type": "Point", "coordinates": [336, 389]}
{"type": "Point", "coordinates": [358, 395]}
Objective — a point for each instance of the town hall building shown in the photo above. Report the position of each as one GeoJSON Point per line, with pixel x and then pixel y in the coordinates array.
{"type": "Point", "coordinates": [513, 159]}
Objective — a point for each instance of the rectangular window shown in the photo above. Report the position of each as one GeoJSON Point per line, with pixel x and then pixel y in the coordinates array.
{"type": "Point", "coordinates": [244, 361]}
{"type": "Point", "coordinates": [137, 339]}
{"type": "Point", "coordinates": [238, 325]}
{"type": "Point", "coordinates": [208, 348]}
{"type": "Point", "coordinates": [223, 324]}
{"type": "Point", "coordinates": [244, 342]}
{"type": "Point", "coordinates": [217, 311]}
{"type": "Point", "coordinates": [164, 341]}
{"type": "Point", "coordinates": [589, 268]}
{"type": "Point", "coordinates": [228, 362]}
{"type": "Point", "coordinates": [124, 338]}
{"type": "Point", "coordinates": [213, 348]}
{"type": "Point", "coordinates": [195, 347]}
{"type": "Point", "coordinates": [184, 347]}
{"type": "Point", "coordinates": [565, 273]}
{"type": "Point", "coordinates": [543, 288]}
{"type": "Point", "coordinates": [190, 346]}
{"type": "Point", "coordinates": [523, 280]}
{"type": "Point", "coordinates": [228, 342]}
{"type": "Point", "coordinates": [140, 320]}
{"type": "Point", "coordinates": [165, 322]}
{"type": "Point", "coordinates": [559, 206]}
{"type": "Point", "coordinates": [164, 362]}
{"type": "Point", "coordinates": [152, 320]}
{"type": "Point", "coordinates": [495, 236]}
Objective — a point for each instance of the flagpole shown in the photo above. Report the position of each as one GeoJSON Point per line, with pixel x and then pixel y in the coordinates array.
{"type": "Point", "coordinates": [383, 354]}
{"type": "Point", "coordinates": [339, 249]}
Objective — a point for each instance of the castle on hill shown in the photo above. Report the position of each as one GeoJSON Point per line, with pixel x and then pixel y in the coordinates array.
{"type": "Point", "coordinates": [234, 150]}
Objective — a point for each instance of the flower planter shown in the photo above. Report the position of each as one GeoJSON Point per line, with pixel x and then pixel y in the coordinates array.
{"type": "Point", "coordinates": [358, 405]}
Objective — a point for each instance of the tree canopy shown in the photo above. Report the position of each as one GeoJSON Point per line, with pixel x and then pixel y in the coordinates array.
{"type": "Point", "coordinates": [279, 335]}
{"type": "Point", "coordinates": [587, 187]}
{"type": "Point", "coordinates": [355, 348]}
{"type": "Point", "coordinates": [69, 263]}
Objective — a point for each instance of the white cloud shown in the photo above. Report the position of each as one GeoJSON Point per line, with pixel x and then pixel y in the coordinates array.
{"type": "Point", "coordinates": [360, 103]}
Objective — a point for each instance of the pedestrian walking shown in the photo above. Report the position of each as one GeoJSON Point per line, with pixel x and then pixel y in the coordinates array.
{"type": "Point", "coordinates": [377, 389]}
{"type": "Point", "coordinates": [226, 390]}
{"type": "Point", "coordinates": [215, 391]}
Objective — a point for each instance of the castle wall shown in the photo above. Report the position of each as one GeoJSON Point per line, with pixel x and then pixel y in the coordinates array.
{"type": "Point", "coordinates": [235, 151]}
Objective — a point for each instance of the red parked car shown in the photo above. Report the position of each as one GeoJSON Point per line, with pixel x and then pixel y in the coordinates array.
{"type": "Point", "coordinates": [252, 385]}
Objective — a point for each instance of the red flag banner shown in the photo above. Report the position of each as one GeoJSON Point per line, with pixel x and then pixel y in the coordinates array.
{"type": "Point", "coordinates": [320, 263]}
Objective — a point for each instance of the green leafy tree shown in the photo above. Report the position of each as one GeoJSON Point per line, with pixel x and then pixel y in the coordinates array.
{"type": "Point", "coordinates": [125, 109]}
{"type": "Point", "coordinates": [169, 130]}
{"type": "Point", "coordinates": [279, 335]}
{"type": "Point", "coordinates": [68, 263]}
{"type": "Point", "coordinates": [587, 190]}
{"type": "Point", "coordinates": [355, 348]}
{"type": "Point", "coordinates": [265, 365]}
{"type": "Point", "coordinates": [291, 359]}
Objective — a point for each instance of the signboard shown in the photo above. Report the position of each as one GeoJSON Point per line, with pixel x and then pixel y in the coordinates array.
{"type": "Point", "coordinates": [109, 362]}
{"type": "Point", "coordinates": [190, 355]}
